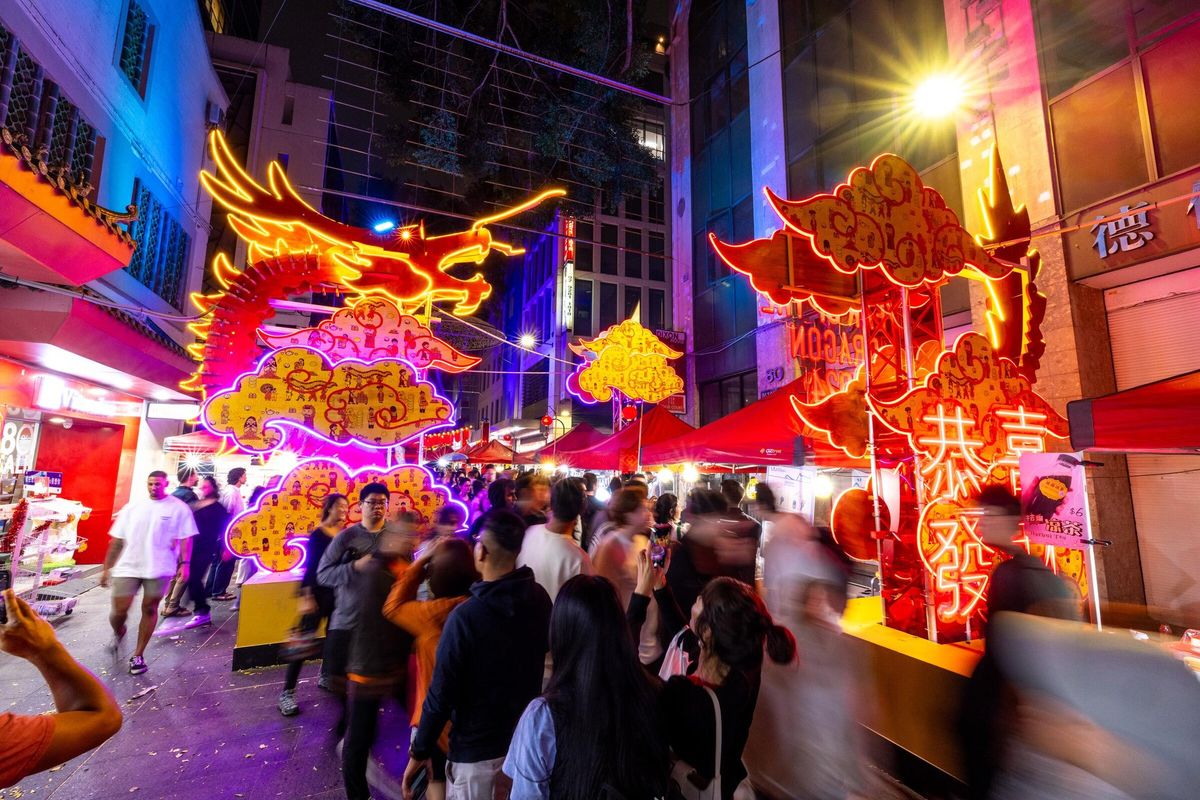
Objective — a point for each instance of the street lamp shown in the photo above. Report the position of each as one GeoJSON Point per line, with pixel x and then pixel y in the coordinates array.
{"type": "Point", "coordinates": [527, 341]}
{"type": "Point", "coordinates": [938, 96]}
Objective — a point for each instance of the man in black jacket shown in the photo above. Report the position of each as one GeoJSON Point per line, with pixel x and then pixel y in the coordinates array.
{"type": "Point", "coordinates": [489, 663]}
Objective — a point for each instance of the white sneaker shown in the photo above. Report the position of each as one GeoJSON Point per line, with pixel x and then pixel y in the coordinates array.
{"type": "Point", "coordinates": [197, 621]}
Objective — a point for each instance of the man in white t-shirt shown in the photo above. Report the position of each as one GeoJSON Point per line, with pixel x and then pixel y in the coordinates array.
{"type": "Point", "coordinates": [550, 549]}
{"type": "Point", "coordinates": [151, 543]}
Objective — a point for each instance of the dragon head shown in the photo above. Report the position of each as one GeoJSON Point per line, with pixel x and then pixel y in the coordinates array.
{"type": "Point", "coordinates": [404, 264]}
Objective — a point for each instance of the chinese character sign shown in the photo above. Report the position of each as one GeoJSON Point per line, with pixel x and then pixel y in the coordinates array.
{"type": "Point", "coordinates": [1128, 232]}
{"type": "Point", "coordinates": [1052, 499]}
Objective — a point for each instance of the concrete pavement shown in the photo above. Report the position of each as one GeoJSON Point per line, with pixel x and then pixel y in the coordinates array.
{"type": "Point", "coordinates": [192, 728]}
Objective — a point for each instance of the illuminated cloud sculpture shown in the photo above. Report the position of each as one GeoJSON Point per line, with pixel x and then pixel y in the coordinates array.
{"type": "Point", "coordinates": [274, 531]}
{"type": "Point", "coordinates": [625, 358]}
{"type": "Point", "coordinates": [374, 328]}
{"type": "Point", "coordinates": [378, 405]}
{"type": "Point", "coordinates": [885, 218]}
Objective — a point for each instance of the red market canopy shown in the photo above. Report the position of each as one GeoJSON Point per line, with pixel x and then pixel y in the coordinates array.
{"type": "Point", "coordinates": [493, 452]}
{"type": "Point", "coordinates": [1160, 417]}
{"type": "Point", "coordinates": [581, 437]}
{"type": "Point", "coordinates": [620, 450]}
{"type": "Point", "coordinates": [765, 433]}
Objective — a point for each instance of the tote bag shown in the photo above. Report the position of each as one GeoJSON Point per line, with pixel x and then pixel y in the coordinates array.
{"type": "Point", "coordinates": [683, 775]}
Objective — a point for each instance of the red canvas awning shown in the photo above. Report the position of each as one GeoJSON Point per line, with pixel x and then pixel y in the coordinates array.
{"type": "Point", "coordinates": [765, 433]}
{"type": "Point", "coordinates": [620, 450]}
{"type": "Point", "coordinates": [581, 437]}
{"type": "Point", "coordinates": [1160, 417]}
{"type": "Point", "coordinates": [493, 452]}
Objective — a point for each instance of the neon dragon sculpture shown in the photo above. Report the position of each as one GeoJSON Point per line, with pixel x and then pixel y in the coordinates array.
{"type": "Point", "coordinates": [294, 249]}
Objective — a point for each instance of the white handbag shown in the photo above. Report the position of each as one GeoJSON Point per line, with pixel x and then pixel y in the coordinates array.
{"type": "Point", "coordinates": [683, 772]}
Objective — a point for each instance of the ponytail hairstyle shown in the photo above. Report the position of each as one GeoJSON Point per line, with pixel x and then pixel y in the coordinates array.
{"type": "Point", "coordinates": [735, 626]}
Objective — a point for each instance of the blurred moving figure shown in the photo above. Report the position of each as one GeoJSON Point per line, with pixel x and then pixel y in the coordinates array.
{"type": "Point", "coordinates": [804, 739]}
{"type": "Point", "coordinates": [1021, 584]}
{"type": "Point", "coordinates": [85, 713]}
{"type": "Point", "coordinates": [1098, 716]}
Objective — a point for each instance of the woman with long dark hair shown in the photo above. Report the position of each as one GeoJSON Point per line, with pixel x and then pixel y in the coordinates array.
{"type": "Point", "coordinates": [595, 732]}
{"type": "Point", "coordinates": [732, 626]}
{"type": "Point", "coordinates": [316, 604]}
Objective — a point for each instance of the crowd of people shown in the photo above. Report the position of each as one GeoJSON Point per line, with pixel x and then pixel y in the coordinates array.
{"type": "Point", "coordinates": [552, 645]}
{"type": "Point", "coordinates": [551, 656]}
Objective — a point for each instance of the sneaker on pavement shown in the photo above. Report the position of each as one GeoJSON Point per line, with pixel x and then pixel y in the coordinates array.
{"type": "Point", "coordinates": [198, 621]}
{"type": "Point", "coordinates": [325, 683]}
{"type": "Point", "coordinates": [287, 703]}
{"type": "Point", "coordinates": [137, 665]}
{"type": "Point", "coordinates": [114, 645]}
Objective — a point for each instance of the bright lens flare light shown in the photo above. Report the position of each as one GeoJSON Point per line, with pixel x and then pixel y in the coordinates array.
{"type": "Point", "coordinates": [665, 475]}
{"type": "Point", "coordinates": [527, 341]}
{"type": "Point", "coordinates": [383, 226]}
{"type": "Point", "coordinates": [938, 96]}
{"type": "Point", "coordinates": [548, 467]}
{"type": "Point", "coordinates": [690, 473]}
{"type": "Point", "coordinates": [823, 486]}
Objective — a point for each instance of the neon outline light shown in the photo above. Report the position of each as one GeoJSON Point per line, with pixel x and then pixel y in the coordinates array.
{"type": "Point", "coordinates": [299, 540]}
{"type": "Point", "coordinates": [652, 359]}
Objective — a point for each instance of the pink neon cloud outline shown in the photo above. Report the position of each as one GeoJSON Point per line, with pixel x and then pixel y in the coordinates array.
{"type": "Point", "coordinates": [295, 542]}
{"type": "Point", "coordinates": [288, 423]}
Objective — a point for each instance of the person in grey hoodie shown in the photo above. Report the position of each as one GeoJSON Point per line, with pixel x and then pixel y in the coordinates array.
{"type": "Point", "coordinates": [360, 564]}
{"type": "Point", "coordinates": [489, 663]}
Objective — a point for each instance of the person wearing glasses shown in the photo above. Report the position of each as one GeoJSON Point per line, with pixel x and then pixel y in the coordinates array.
{"type": "Point", "coordinates": [360, 565]}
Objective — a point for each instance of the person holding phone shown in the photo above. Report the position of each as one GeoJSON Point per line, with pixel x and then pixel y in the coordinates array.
{"type": "Point", "coordinates": [86, 714]}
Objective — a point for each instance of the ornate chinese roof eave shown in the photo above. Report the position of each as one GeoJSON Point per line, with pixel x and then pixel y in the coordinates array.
{"type": "Point", "coordinates": [60, 179]}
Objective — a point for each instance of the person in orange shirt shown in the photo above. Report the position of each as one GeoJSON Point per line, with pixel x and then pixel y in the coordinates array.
{"type": "Point", "coordinates": [450, 569]}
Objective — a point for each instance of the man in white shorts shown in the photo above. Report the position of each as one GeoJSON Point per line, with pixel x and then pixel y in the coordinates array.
{"type": "Point", "coordinates": [151, 543]}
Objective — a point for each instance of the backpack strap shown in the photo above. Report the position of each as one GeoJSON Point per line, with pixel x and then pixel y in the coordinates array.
{"type": "Point", "coordinates": [717, 724]}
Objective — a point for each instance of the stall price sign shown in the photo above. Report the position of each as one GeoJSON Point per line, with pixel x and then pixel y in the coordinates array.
{"type": "Point", "coordinates": [1053, 511]}
{"type": "Point", "coordinates": [39, 481]}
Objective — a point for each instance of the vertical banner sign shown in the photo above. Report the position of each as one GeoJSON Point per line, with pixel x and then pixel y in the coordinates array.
{"type": "Point", "coordinates": [568, 277]}
{"type": "Point", "coordinates": [1053, 506]}
{"type": "Point", "coordinates": [676, 340]}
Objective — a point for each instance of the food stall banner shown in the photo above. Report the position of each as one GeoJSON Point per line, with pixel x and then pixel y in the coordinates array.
{"type": "Point", "coordinates": [1053, 499]}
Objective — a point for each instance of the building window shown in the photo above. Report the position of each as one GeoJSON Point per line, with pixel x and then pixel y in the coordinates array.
{"type": "Point", "coordinates": [608, 249]}
{"type": "Point", "coordinates": [657, 259]}
{"type": "Point", "coordinates": [633, 253]}
{"type": "Point", "coordinates": [650, 136]}
{"type": "Point", "coordinates": [161, 254]}
{"type": "Point", "coordinates": [606, 315]}
{"type": "Point", "coordinates": [655, 212]}
{"type": "Point", "coordinates": [633, 301]}
{"type": "Point", "coordinates": [633, 207]}
{"type": "Point", "coordinates": [135, 46]}
{"type": "Point", "coordinates": [656, 316]}
{"type": "Point", "coordinates": [721, 397]}
{"type": "Point", "coordinates": [582, 322]}
{"type": "Point", "coordinates": [583, 246]}
{"type": "Point", "coordinates": [37, 109]}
